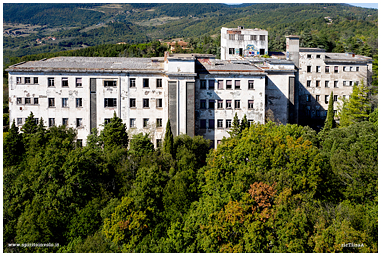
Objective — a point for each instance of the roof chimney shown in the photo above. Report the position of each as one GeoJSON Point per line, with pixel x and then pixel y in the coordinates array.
{"type": "Point", "coordinates": [240, 27]}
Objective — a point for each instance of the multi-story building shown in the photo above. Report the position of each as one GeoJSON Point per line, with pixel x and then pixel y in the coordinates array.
{"type": "Point", "coordinates": [199, 94]}
{"type": "Point", "coordinates": [240, 42]}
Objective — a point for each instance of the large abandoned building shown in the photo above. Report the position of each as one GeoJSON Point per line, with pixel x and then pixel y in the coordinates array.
{"type": "Point", "coordinates": [199, 94]}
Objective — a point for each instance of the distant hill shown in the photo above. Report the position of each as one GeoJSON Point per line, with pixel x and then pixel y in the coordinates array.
{"type": "Point", "coordinates": [76, 26]}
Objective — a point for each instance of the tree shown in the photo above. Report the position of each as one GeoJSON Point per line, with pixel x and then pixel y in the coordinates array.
{"type": "Point", "coordinates": [357, 108]}
{"type": "Point", "coordinates": [330, 120]}
{"type": "Point", "coordinates": [30, 125]}
{"type": "Point", "coordinates": [141, 145]}
{"type": "Point", "coordinates": [244, 123]}
{"type": "Point", "coordinates": [236, 128]}
{"type": "Point", "coordinates": [115, 133]}
{"type": "Point", "coordinates": [168, 140]}
{"type": "Point", "coordinates": [13, 146]}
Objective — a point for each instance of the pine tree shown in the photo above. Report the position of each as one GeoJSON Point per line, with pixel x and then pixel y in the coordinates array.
{"type": "Point", "coordinates": [13, 146]}
{"type": "Point", "coordinates": [236, 128]}
{"type": "Point", "coordinates": [115, 133]}
{"type": "Point", "coordinates": [168, 139]}
{"type": "Point", "coordinates": [330, 120]}
{"type": "Point", "coordinates": [244, 123]}
{"type": "Point", "coordinates": [30, 125]}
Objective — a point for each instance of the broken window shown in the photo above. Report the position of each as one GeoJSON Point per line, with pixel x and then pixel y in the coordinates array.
{"type": "Point", "coordinates": [251, 84]}
{"type": "Point", "coordinates": [51, 122]}
{"type": "Point", "coordinates": [36, 120]}
{"type": "Point", "coordinates": [357, 69]}
{"type": "Point", "coordinates": [318, 56]}
{"type": "Point", "coordinates": [35, 101]}
{"type": "Point", "coordinates": [132, 82]}
{"type": "Point", "coordinates": [326, 100]}
{"type": "Point", "coordinates": [318, 69]}
{"type": "Point", "coordinates": [308, 56]}
{"type": "Point", "coordinates": [35, 80]}
{"type": "Point", "coordinates": [308, 83]}
{"type": "Point", "coordinates": [250, 104]}
{"type": "Point", "coordinates": [228, 84]}
{"type": "Point", "coordinates": [78, 102]}
{"type": "Point", "coordinates": [65, 82]}
{"type": "Point", "coordinates": [19, 121]}
{"type": "Point", "coordinates": [228, 104]}
{"type": "Point", "coordinates": [159, 103]}
{"type": "Point", "coordinates": [65, 102]}
{"type": "Point", "coordinates": [237, 104]}
{"type": "Point", "coordinates": [231, 51]}
{"type": "Point", "coordinates": [228, 123]}
{"type": "Point", "coordinates": [344, 83]}
{"type": "Point", "coordinates": [220, 84]}
{"type": "Point", "coordinates": [27, 80]}
{"type": "Point", "coordinates": [251, 122]}
{"type": "Point", "coordinates": [145, 83]}
{"type": "Point", "coordinates": [334, 97]}
{"type": "Point", "coordinates": [317, 97]}
{"type": "Point", "coordinates": [109, 83]}
{"type": "Point", "coordinates": [145, 103]}
{"type": "Point", "coordinates": [65, 121]}
{"type": "Point", "coordinates": [253, 38]}
{"type": "Point", "coordinates": [51, 102]}
{"type": "Point", "coordinates": [220, 123]}
{"type": "Point", "coordinates": [211, 84]}
{"type": "Point", "coordinates": [158, 143]}
{"type": "Point", "coordinates": [317, 83]}
{"type": "Point", "coordinates": [132, 122]}
{"type": "Point", "coordinates": [326, 84]}
{"type": "Point", "coordinates": [110, 102]}
{"type": "Point", "coordinates": [203, 104]}
{"type": "Point", "coordinates": [336, 69]}
{"type": "Point", "coordinates": [237, 84]}
{"type": "Point", "coordinates": [241, 37]}
{"type": "Point", "coordinates": [78, 82]}
{"type": "Point", "coordinates": [145, 122]}
{"type": "Point", "coordinates": [50, 81]}
{"type": "Point", "coordinates": [132, 103]}
{"type": "Point", "coordinates": [326, 69]}
{"type": "Point", "coordinates": [220, 104]}
{"type": "Point", "coordinates": [19, 101]}
{"type": "Point", "coordinates": [335, 84]}
{"type": "Point", "coordinates": [350, 83]}
{"type": "Point", "coordinates": [262, 38]}
{"type": "Point", "coordinates": [211, 104]}
{"type": "Point", "coordinates": [308, 69]}
{"type": "Point", "coordinates": [231, 37]}
{"type": "Point", "coordinates": [107, 120]}
{"type": "Point", "coordinates": [211, 124]}
{"type": "Point", "coordinates": [202, 123]}
{"type": "Point", "coordinates": [159, 122]}
{"type": "Point", "coordinates": [202, 84]}
{"type": "Point", "coordinates": [159, 83]}
{"type": "Point", "coordinates": [79, 122]}
{"type": "Point", "coordinates": [18, 80]}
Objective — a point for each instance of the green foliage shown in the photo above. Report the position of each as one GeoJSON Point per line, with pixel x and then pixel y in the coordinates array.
{"type": "Point", "coordinates": [13, 147]}
{"type": "Point", "coordinates": [141, 145]}
{"type": "Point", "coordinates": [114, 133]}
{"type": "Point", "coordinates": [330, 119]}
{"type": "Point", "coordinates": [168, 140]}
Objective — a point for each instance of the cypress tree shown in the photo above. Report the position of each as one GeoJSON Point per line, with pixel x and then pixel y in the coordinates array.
{"type": "Point", "coordinates": [330, 120]}
{"type": "Point", "coordinates": [168, 139]}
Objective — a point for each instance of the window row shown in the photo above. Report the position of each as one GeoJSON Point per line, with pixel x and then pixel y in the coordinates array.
{"type": "Point", "coordinates": [326, 98]}
{"type": "Point", "coordinates": [64, 102]}
{"type": "Point", "coordinates": [27, 101]}
{"type": "Point", "coordinates": [335, 83]}
{"type": "Point", "coordinates": [210, 123]}
{"type": "Point", "coordinates": [146, 122]}
{"type": "Point", "coordinates": [27, 80]}
{"type": "Point", "coordinates": [146, 83]}
{"type": "Point", "coordinates": [52, 122]}
{"type": "Point", "coordinates": [146, 103]}
{"type": "Point", "coordinates": [327, 69]}
{"type": "Point", "coordinates": [247, 37]}
{"type": "Point", "coordinates": [228, 104]}
{"type": "Point", "coordinates": [63, 82]}
{"type": "Point", "coordinates": [228, 84]}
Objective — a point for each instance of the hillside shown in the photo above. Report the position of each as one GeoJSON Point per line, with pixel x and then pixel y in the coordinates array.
{"type": "Point", "coordinates": [29, 28]}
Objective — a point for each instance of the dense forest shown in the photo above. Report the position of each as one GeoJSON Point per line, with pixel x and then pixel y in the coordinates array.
{"type": "Point", "coordinates": [266, 188]}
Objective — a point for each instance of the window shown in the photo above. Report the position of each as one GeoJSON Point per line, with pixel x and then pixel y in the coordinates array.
{"type": "Point", "coordinates": [158, 143]}
{"type": "Point", "coordinates": [231, 50]}
{"type": "Point", "coordinates": [357, 69]}
{"type": "Point", "coordinates": [326, 69]}
{"type": "Point", "coordinates": [19, 121]}
{"type": "Point", "coordinates": [357, 83]}
{"type": "Point", "coordinates": [79, 122]}
{"type": "Point", "coordinates": [132, 103]}
{"type": "Point", "coordinates": [203, 104]}
{"type": "Point", "coordinates": [308, 98]}
{"type": "Point", "coordinates": [350, 68]}
{"type": "Point", "coordinates": [35, 101]}
{"type": "Point", "coordinates": [78, 82]}
{"type": "Point", "coordinates": [335, 84]}
{"type": "Point", "coordinates": [231, 37]}
{"type": "Point", "coordinates": [318, 69]}
{"type": "Point", "coordinates": [145, 103]}
{"type": "Point", "coordinates": [51, 102]}
{"type": "Point", "coordinates": [317, 97]}
{"type": "Point", "coordinates": [317, 83]}
{"type": "Point", "coordinates": [237, 104]}
{"type": "Point", "coordinates": [65, 121]}
{"type": "Point", "coordinates": [211, 124]}
{"type": "Point", "coordinates": [132, 122]}
{"type": "Point", "coordinates": [220, 104]}
{"type": "Point", "coordinates": [159, 122]}
{"type": "Point", "coordinates": [250, 104]}
{"type": "Point", "coordinates": [78, 102]}
{"type": "Point", "coordinates": [50, 82]}
{"type": "Point", "coordinates": [159, 103]}
{"type": "Point", "coordinates": [253, 38]}
{"type": "Point", "coordinates": [65, 102]}
{"type": "Point", "coordinates": [228, 84]}
{"type": "Point", "coordinates": [132, 82]}
{"type": "Point", "coordinates": [220, 123]}
{"type": "Point", "coordinates": [308, 83]}
{"type": "Point", "coordinates": [145, 83]}
{"type": "Point", "coordinates": [110, 102]}
{"type": "Point", "coordinates": [241, 37]}
{"type": "Point", "coordinates": [109, 83]}
{"type": "Point", "coordinates": [145, 122]}
{"type": "Point", "coordinates": [218, 142]}
{"type": "Point", "coordinates": [327, 84]}
{"type": "Point", "coordinates": [350, 83]}
{"type": "Point", "coordinates": [65, 82]}
{"type": "Point", "coordinates": [202, 84]}
{"type": "Point", "coordinates": [211, 104]}
{"type": "Point", "coordinates": [18, 80]}
{"type": "Point", "coordinates": [27, 80]}
{"type": "Point", "coordinates": [19, 101]}
{"type": "Point", "coordinates": [228, 123]}
{"type": "Point", "coordinates": [237, 84]}
{"type": "Point", "coordinates": [262, 38]}
{"type": "Point", "coordinates": [107, 121]}
{"type": "Point", "coordinates": [336, 69]}
{"type": "Point", "coordinates": [202, 123]}
{"type": "Point", "coordinates": [211, 84]}
{"type": "Point", "coordinates": [326, 99]}
{"type": "Point", "coordinates": [159, 83]}
{"type": "Point", "coordinates": [51, 122]}
{"type": "Point", "coordinates": [220, 84]}
{"type": "Point", "coordinates": [251, 85]}
{"type": "Point", "coordinates": [334, 97]}
{"type": "Point", "coordinates": [35, 80]}
{"type": "Point", "coordinates": [318, 56]}
{"type": "Point", "coordinates": [251, 122]}
{"type": "Point", "coordinates": [228, 104]}
{"type": "Point", "coordinates": [344, 83]}
{"type": "Point", "coordinates": [308, 56]}
{"type": "Point", "coordinates": [308, 69]}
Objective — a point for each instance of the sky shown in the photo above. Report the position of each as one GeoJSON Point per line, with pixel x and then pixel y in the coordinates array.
{"type": "Point", "coordinates": [366, 5]}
